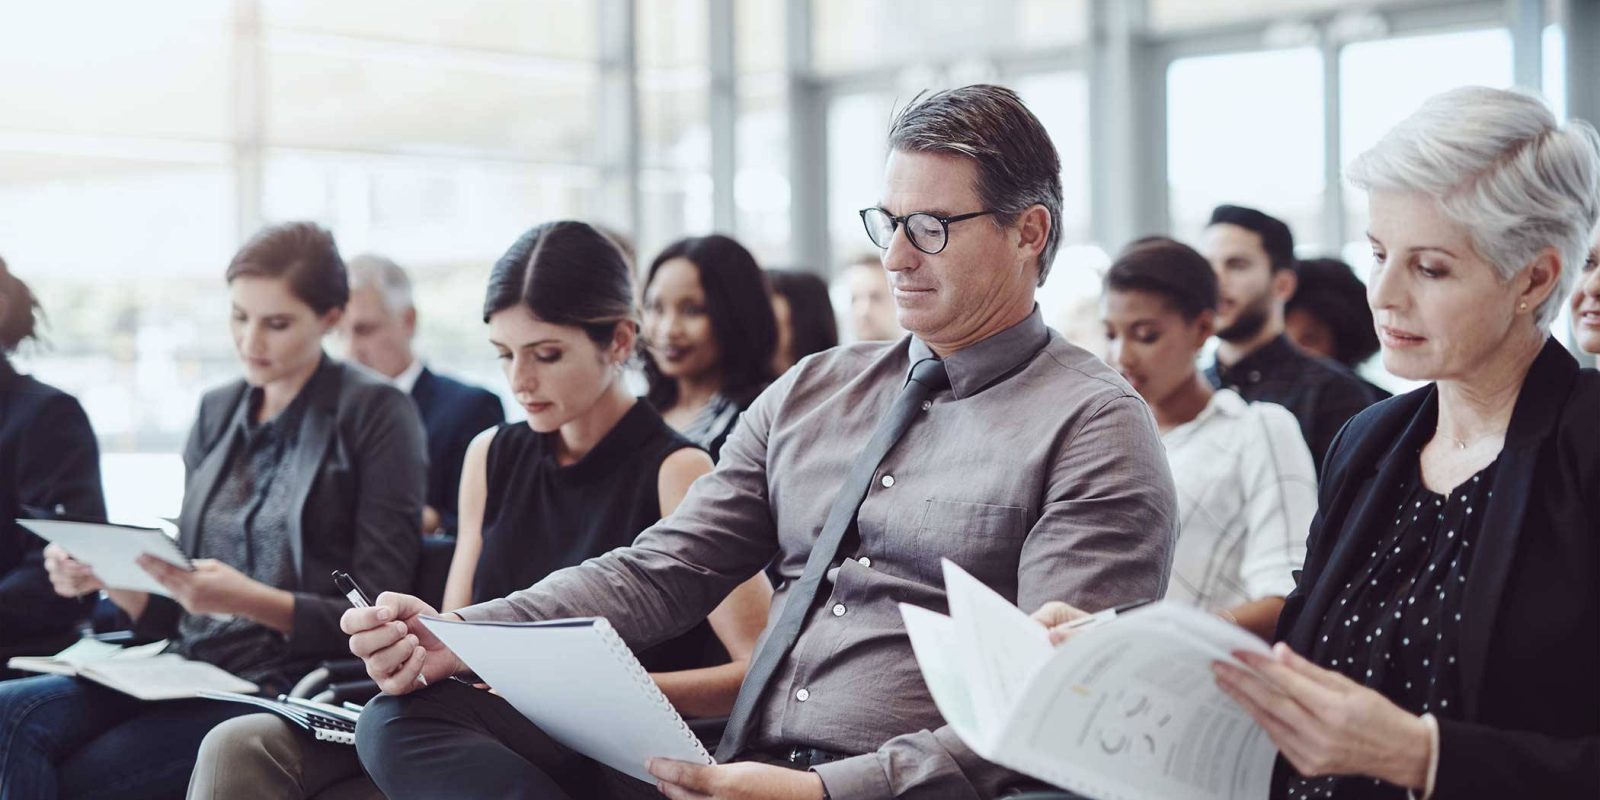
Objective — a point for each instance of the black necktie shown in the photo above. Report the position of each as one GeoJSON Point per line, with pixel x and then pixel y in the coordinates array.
{"type": "Point", "coordinates": [927, 377]}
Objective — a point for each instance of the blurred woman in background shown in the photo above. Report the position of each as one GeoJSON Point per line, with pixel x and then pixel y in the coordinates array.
{"type": "Point", "coordinates": [1247, 489]}
{"type": "Point", "coordinates": [709, 335]}
{"type": "Point", "coordinates": [1586, 301]}
{"type": "Point", "coordinates": [804, 313]}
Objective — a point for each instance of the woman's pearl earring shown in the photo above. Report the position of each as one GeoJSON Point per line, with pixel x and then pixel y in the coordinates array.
{"type": "Point", "coordinates": [1523, 307]}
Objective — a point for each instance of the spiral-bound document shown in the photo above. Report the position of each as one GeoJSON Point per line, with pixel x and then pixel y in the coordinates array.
{"type": "Point", "coordinates": [580, 684]}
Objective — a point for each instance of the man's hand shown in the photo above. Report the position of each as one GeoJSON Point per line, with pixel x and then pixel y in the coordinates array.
{"type": "Point", "coordinates": [401, 655]}
{"type": "Point", "coordinates": [681, 780]}
{"type": "Point", "coordinates": [1056, 616]}
{"type": "Point", "coordinates": [430, 520]}
{"type": "Point", "coordinates": [69, 576]}
{"type": "Point", "coordinates": [212, 587]}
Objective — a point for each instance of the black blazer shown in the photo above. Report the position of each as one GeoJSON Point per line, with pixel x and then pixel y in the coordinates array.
{"type": "Point", "coordinates": [49, 464]}
{"type": "Point", "coordinates": [359, 476]}
{"type": "Point", "coordinates": [1530, 642]}
{"type": "Point", "coordinates": [452, 414]}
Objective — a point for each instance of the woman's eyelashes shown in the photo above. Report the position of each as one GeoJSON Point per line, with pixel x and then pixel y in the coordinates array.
{"type": "Point", "coordinates": [542, 356]}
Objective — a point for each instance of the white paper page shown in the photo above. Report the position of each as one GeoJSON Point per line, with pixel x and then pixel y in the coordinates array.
{"type": "Point", "coordinates": [1006, 646]}
{"type": "Point", "coordinates": [1131, 710]}
{"type": "Point", "coordinates": [936, 643]}
{"type": "Point", "coordinates": [164, 677]}
{"type": "Point", "coordinates": [573, 683]}
{"type": "Point", "coordinates": [84, 651]}
{"type": "Point", "coordinates": [113, 550]}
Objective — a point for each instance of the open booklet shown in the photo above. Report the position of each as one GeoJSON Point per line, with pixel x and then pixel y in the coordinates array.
{"type": "Point", "coordinates": [143, 672]}
{"type": "Point", "coordinates": [1127, 710]}
{"type": "Point", "coordinates": [578, 681]}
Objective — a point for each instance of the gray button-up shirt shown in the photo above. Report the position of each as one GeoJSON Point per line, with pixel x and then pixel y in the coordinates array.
{"type": "Point", "coordinates": [1039, 471]}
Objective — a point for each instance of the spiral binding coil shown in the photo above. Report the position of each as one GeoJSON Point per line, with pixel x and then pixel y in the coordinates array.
{"type": "Point", "coordinates": [648, 685]}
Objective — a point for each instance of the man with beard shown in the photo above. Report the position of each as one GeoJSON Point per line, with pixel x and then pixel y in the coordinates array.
{"type": "Point", "coordinates": [1253, 255]}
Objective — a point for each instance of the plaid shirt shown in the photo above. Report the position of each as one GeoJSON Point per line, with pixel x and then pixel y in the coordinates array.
{"type": "Point", "coordinates": [1322, 394]}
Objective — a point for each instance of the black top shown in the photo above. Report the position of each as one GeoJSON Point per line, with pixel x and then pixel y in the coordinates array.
{"type": "Point", "coordinates": [355, 487]}
{"type": "Point", "coordinates": [1396, 625]}
{"type": "Point", "coordinates": [49, 465]}
{"type": "Point", "coordinates": [452, 414]}
{"type": "Point", "coordinates": [1529, 718]}
{"type": "Point", "coordinates": [540, 516]}
{"type": "Point", "coordinates": [1321, 393]}
{"type": "Point", "coordinates": [246, 525]}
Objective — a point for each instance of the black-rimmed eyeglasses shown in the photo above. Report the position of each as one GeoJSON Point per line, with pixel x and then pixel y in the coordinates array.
{"type": "Point", "coordinates": [925, 231]}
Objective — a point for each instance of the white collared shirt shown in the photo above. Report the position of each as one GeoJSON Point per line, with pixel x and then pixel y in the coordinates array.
{"type": "Point", "coordinates": [1247, 491]}
{"type": "Point", "coordinates": [408, 378]}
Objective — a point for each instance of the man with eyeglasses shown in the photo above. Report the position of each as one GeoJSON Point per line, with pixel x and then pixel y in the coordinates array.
{"type": "Point", "coordinates": [984, 438]}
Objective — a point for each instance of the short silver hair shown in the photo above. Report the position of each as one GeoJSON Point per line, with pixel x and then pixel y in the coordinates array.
{"type": "Point", "coordinates": [392, 283]}
{"type": "Point", "coordinates": [1503, 167]}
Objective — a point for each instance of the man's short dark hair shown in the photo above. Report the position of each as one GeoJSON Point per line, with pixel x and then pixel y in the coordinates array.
{"type": "Point", "coordinates": [1169, 269]}
{"type": "Point", "coordinates": [1017, 163]}
{"type": "Point", "coordinates": [1275, 236]}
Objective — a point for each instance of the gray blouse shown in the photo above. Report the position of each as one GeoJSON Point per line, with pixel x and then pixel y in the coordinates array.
{"type": "Point", "coordinates": [246, 525]}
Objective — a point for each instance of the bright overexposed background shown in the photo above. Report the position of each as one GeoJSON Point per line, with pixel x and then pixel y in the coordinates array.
{"type": "Point", "coordinates": [141, 142]}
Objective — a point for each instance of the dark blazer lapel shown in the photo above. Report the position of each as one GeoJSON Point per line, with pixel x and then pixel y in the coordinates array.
{"type": "Point", "coordinates": [316, 434]}
{"type": "Point", "coordinates": [207, 475]}
{"type": "Point", "coordinates": [1539, 404]}
{"type": "Point", "coordinates": [1366, 494]}
{"type": "Point", "coordinates": [423, 391]}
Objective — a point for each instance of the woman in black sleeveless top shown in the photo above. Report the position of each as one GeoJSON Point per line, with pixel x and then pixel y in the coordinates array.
{"type": "Point", "coordinates": [590, 469]}
{"type": "Point", "coordinates": [593, 466]}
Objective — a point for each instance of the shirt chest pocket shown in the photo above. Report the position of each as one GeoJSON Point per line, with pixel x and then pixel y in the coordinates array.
{"type": "Point", "coordinates": [984, 539]}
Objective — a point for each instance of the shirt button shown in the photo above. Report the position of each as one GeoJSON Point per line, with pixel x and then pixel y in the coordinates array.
{"type": "Point", "coordinates": [1255, 376]}
{"type": "Point", "coordinates": [802, 695]}
{"type": "Point", "coordinates": [864, 561]}
{"type": "Point", "coordinates": [888, 481]}
{"type": "Point", "coordinates": [838, 609]}
{"type": "Point", "coordinates": [927, 404]}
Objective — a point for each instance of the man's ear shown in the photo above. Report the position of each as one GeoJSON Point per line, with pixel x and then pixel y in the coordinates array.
{"type": "Point", "coordinates": [1284, 284]}
{"type": "Point", "coordinates": [1033, 229]}
{"type": "Point", "coordinates": [408, 320]}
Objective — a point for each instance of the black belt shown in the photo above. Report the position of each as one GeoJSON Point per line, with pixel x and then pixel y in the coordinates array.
{"type": "Point", "coordinates": [800, 757]}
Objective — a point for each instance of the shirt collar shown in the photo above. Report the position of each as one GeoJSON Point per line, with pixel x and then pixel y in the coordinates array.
{"type": "Point", "coordinates": [974, 368]}
{"type": "Point", "coordinates": [407, 379]}
{"type": "Point", "coordinates": [1266, 359]}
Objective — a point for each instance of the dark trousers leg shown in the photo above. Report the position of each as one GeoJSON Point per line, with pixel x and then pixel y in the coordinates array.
{"type": "Point", "coordinates": [452, 740]}
{"type": "Point", "coordinates": [70, 738]}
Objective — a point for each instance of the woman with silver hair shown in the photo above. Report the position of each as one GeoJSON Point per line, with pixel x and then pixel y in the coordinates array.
{"type": "Point", "coordinates": [1441, 639]}
{"type": "Point", "coordinates": [1586, 301]}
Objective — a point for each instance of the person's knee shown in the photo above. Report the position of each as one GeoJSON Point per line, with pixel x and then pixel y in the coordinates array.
{"type": "Point", "coordinates": [256, 750]}
{"type": "Point", "coordinates": [26, 701]}
{"type": "Point", "coordinates": [376, 730]}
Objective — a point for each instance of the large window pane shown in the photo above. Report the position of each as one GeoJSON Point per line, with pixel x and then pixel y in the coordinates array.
{"type": "Point", "coordinates": [856, 152]}
{"type": "Point", "coordinates": [554, 28]}
{"type": "Point", "coordinates": [109, 68]}
{"type": "Point", "coordinates": [1247, 129]}
{"type": "Point", "coordinates": [1383, 82]}
{"type": "Point", "coordinates": [858, 34]}
{"type": "Point", "coordinates": [381, 98]}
